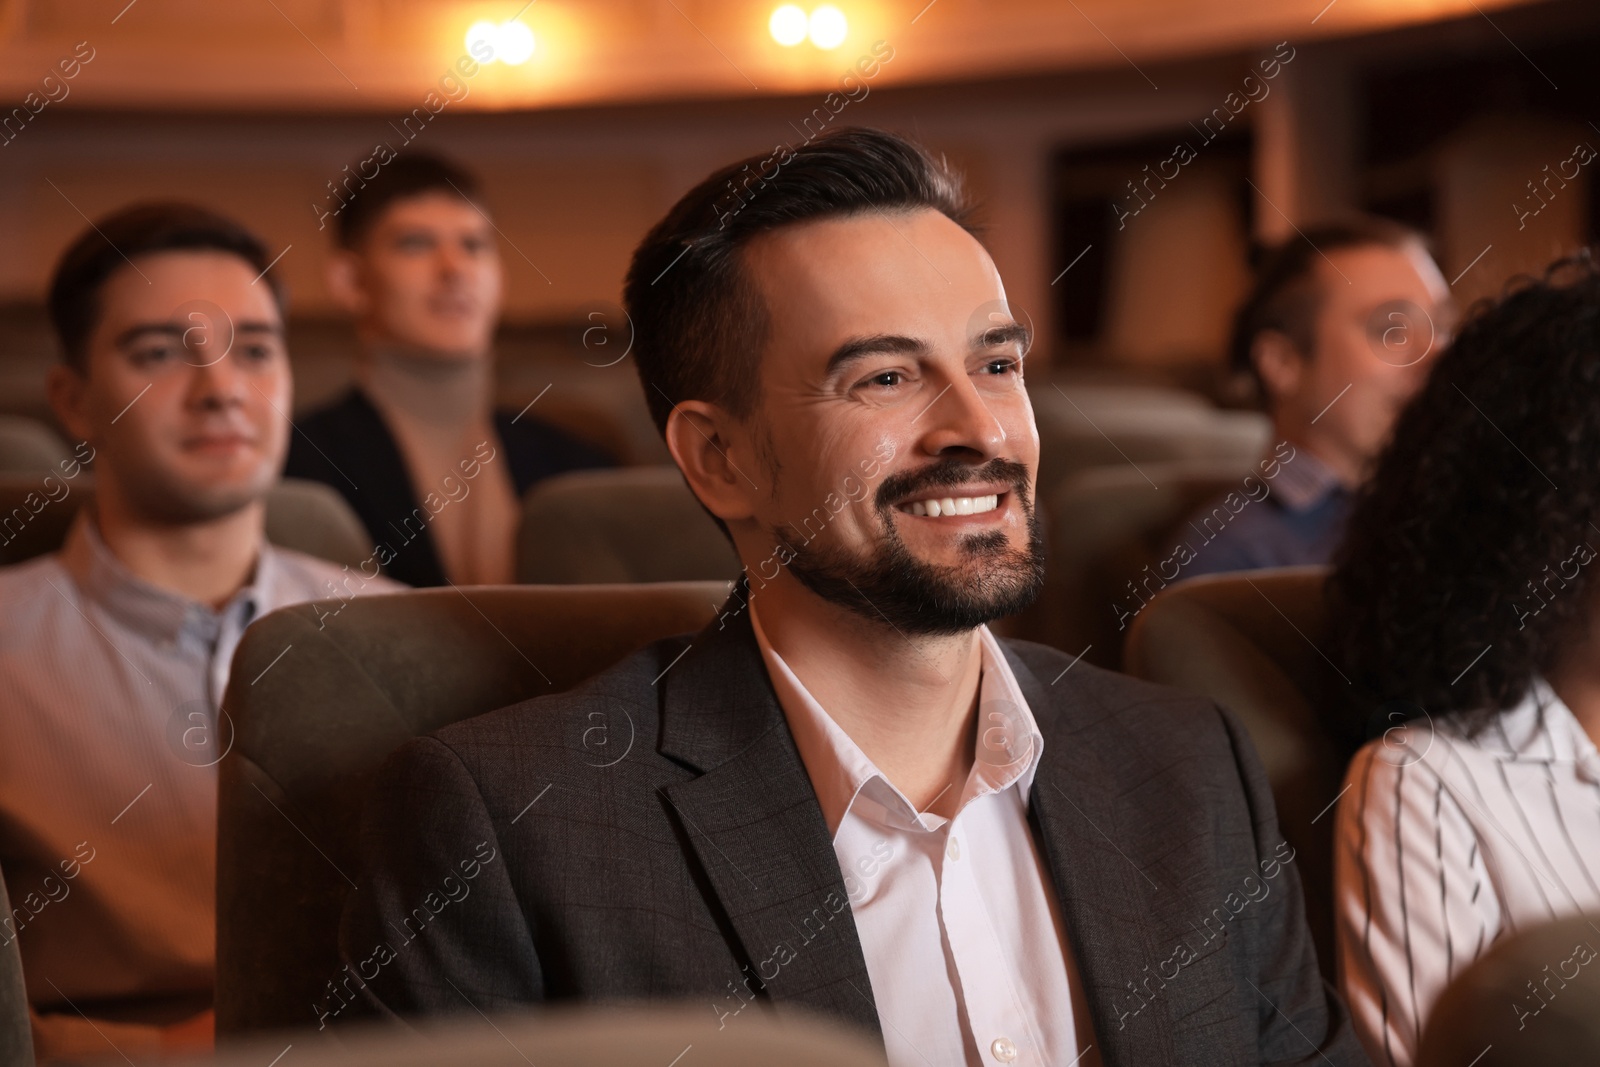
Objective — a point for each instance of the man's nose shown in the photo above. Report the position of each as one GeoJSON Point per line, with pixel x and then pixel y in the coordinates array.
{"type": "Point", "coordinates": [454, 259]}
{"type": "Point", "coordinates": [218, 383]}
{"type": "Point", "coordinates": [959, 418]}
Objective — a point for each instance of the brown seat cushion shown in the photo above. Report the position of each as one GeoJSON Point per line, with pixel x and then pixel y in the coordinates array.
{"type": "Point", "coordinates": [1258, 644]}
{"type": "Point", "coordinates": [316, 701]}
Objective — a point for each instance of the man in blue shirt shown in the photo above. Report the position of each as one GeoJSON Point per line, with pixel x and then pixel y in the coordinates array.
{"type": "Point", "coordinates": [1337, 333]}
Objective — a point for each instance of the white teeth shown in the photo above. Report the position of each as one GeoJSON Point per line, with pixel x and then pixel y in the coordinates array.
{"type": "Point", "coordinates": [962, 505]}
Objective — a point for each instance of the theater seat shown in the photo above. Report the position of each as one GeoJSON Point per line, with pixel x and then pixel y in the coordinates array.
{"type": "Point", "coordinates": [317, 700]}
{"type": "Point", "coordinates": [645, 1036]}
{"type": "Point", "coordinates": [1258, 645]}
{"type": "Point", "coordinates": [1070, 399]}
{"type": "Point", "coordinates": [313, 518]}
{"type": "Point", "coordinates": [635, 524]}
{"type": "Point", "coordinates": [309, 517]}
{"type": "Point", "coordinates": [1106, 525]}
{"type": "Point", "coordinates": [28, 446]}
{"type": "Point", "coordinates": [1505, 1011]}
{"type": "Point", "coordinates": [1079, 430]}
{"type": "Point", "coordinates": [16, 1036]}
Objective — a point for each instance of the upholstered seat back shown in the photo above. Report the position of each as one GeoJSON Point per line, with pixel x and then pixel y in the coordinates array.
{"type": "Point", "coordinates": [28, 446]}
{"type": "Point", "coordinates": [635, 524]}
{"type": "Point", "coordinates": [1106, 526]}
{"type": "Point", "coordinates": [37, 509]}
{"type": "Point", "coordinates": [1502, 1010]}
{"type": "Point", "coordinates": [16, 1036]}
{"type": "Point", "coordinates": [320, 693]}
{"type": "Point", "coordinates": [655, 1035]}
{"type": "Point", "coordinates": [1080, 428]}
{"type": "Point", "coordinates": [1258, 644]}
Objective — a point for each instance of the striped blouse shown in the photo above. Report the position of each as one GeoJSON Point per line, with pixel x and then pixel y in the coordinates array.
{"type": "Point", "coordinates": [1445, 842]}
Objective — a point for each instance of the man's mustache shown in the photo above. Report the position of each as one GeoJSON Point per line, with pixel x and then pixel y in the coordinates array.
{"type": "Point", "coordinates": [950, 474]}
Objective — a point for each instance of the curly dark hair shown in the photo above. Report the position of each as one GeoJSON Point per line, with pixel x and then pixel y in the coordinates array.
{"type": "Point", "coordinates": [1448, 592]}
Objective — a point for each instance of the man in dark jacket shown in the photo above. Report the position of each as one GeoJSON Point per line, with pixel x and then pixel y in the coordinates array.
{"type": "Point", "coordinates": [416, 446]}
{"type": "Point", "coordinates": [846, 794]}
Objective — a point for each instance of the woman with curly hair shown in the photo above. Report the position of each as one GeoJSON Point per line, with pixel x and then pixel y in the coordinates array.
{"type": "Point", "coordinates": [1466, 599]}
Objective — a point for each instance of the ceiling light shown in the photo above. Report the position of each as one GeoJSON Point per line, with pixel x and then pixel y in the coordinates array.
{"type": "Point", "coordinates": [482, 38]}
{"type": "Point", "coordinates": [516, 43]}
{"type": "Point", "coordinates": [828, 27]}
{"type": "Point", "coordinates": [788, 25]}
{"type": "Point", "coordinates": [509, 42]}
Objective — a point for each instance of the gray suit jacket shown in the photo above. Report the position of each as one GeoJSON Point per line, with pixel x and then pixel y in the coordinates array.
{"type": "Point", "coordinates": [653, 834]}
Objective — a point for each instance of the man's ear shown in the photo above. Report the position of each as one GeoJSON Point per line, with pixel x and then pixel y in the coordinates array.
{"type": "Point", "coordinates": [1280, 365]}
{"type": "Point", "coordinates": [345, 282]}
{"type": "Point", "coordinates": [68, 391]}
{"type": "Point", "coordinates": [715, 457]}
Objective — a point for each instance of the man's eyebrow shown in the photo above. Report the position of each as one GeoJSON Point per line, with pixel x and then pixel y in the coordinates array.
{"type": "Point", "coordinates": [861, 347]}
{"type": "Point", "coordinates": [1004, 334]}
{"type": "Point", "coordinates": [176, 330]}
{"type": "Point", "coordinates": [138, 330]}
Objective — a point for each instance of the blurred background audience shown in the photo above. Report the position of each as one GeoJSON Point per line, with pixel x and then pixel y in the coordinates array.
{"type": "Point", "coordinates": [441, 470]}
{"type": "Point", "coordinates": [1336, 331]}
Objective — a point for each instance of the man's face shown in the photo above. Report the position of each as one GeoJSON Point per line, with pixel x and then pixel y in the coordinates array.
{"type": "Point", "coordinates": [187, 386]}
{"type": "Point", "coordinates": [1383, 317]}
{"type": "Point", "coordinates": [428, 277]}
{"type": "Point", "coordinates": [892, 388]}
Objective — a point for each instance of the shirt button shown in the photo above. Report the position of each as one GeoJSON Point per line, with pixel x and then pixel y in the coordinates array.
{"type": "Point", "coordinates": [953, 850]}
{"type": "Point", "coordinates": [1003, 1049]}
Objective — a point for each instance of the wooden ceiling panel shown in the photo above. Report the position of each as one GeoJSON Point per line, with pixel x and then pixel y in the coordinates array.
{"type": "Point", "coordinates": [384, 55]}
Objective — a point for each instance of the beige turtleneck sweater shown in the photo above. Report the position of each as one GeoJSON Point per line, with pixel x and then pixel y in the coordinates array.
{"type": "Point", "coordinates": [440, 412]}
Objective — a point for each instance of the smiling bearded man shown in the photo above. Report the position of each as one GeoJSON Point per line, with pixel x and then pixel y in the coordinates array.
{"type": "Point", "coordinates": [846, 794]}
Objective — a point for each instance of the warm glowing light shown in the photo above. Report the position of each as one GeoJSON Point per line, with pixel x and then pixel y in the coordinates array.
{"type": "Point", "coordinates": [481, 40]}
{"type": "Point", "coordinates": [516, 43]}
{"type": "Point", "coordinates": [509, 42]}
{"type": "Point", "coordinates": [788, 25]}
{"type": "Point", "coordinates": [828, 27]}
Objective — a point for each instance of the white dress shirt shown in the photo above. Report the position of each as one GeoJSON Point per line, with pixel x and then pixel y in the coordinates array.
{"type": "Point", "coordinates": [1445, 843]}
{"type": "Point", "coordinates": [958, 919]}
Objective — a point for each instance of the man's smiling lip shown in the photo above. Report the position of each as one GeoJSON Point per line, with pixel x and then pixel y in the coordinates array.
{"type": "Point", "coordinates": [968, 489]}
{"type": "Point", "coordinates": [963, 503]}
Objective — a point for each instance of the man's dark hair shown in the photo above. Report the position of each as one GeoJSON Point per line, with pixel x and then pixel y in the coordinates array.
{"type": "Point", "coordinates": [1467, 567]}
{"type": "Point", "coordinates": [119, 239]}
{"type": "Point", "coordinates": [411, 174]}
{"type": "Point", "coordinates": [1284, 295]}
{"type": "Point", "coordinates": [698, 321]}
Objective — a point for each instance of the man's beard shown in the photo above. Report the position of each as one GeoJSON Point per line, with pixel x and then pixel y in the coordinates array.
{"type": "Point", "coordinates": [890, 584]}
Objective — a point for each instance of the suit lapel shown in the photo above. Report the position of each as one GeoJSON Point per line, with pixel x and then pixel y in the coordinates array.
{"type": "Point", "coordinates": [1106, 899]}
{"type": "Point", "coordinates": [754, 824]}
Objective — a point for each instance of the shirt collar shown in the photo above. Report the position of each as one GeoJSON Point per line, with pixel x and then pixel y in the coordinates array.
{"type": "Point", "coordinates": [149, 609]}
{"type": "Point", "coordinates": [1304, 481]}
{"type": "Point", "coordinates": [1543, 729]}
{"type": "Point", "coordinates": [1008, 748]}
